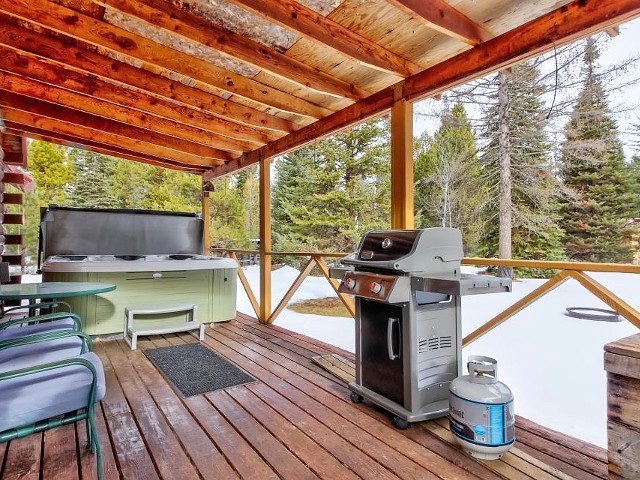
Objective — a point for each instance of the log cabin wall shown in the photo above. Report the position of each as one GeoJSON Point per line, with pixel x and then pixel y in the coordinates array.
{"type": "Point", "coordinates": [622, 363]}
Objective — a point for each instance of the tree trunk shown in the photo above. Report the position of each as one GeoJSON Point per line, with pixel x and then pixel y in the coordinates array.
{"type": "Point", "coordinates": [505, 211]}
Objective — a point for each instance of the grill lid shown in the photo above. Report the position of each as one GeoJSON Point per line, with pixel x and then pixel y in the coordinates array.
{"type": "Point", "coordinates": [430, 250]}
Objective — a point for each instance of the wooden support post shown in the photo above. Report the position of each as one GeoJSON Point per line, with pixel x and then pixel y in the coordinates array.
{"type": "Point", "coordinates": [265, 241]}
{"type": "Point", "coordinates": [402, 165]}
{"type": "Point", "coordinates": [622, 363]}
{"type": "Point", "coordinates": [206, 217]}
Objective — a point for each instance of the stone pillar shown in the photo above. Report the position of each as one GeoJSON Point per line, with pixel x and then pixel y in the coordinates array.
{"type": "Point", "coordinates": [622, 363]}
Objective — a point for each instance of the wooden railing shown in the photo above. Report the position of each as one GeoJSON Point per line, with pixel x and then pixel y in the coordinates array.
{"type": "Point", "coordinates": [316, 259]}
{"type": "Point", "coordinates": [566, 271]}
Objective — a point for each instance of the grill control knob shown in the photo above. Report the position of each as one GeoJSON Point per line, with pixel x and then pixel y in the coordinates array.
{"type": "Point", "coordinates": [350, 283]}
{"type": "Point", "coordinates": [375, 287]}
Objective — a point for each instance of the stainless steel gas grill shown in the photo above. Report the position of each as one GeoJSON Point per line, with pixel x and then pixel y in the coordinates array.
{"type": "Point", "coordinates": [407, 285]}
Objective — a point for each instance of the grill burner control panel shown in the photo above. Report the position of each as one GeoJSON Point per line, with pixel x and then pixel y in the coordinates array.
{"type": "Point", "coordinates": [369, 285]}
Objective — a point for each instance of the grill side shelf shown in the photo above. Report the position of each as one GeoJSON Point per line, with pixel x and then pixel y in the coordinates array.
{"type": "Point", "coordinates": [461, 285]}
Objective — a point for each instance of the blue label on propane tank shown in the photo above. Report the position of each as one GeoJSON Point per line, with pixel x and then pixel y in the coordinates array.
{"type": "Point", "coordinates": [480, 430]}
{"type": "Point", "coordinates": [496, 421]}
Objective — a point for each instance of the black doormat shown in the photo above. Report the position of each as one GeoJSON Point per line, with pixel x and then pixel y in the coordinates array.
{"type": "Point", "coordinates": [194, 369]}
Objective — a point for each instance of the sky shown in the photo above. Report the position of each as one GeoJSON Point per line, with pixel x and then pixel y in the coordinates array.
{"type": "Point", "coordinates": [614, 51]}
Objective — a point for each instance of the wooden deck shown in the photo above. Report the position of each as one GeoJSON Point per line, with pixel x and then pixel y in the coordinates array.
{"type": "Point", "coordinates": [295, 422]}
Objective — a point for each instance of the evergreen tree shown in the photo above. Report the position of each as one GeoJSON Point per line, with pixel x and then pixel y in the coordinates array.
{"type": "Point", "coordinates": [326, 196]}
{"type": "Point", "coordinates": [597, 220]}
{"type": "Point", "coordinates": [94, 183]}
{"type": "Point", "coordinates": [522, 189]}
{"type": "Point", "coordinates": [449, 190]}
{"type": "Point", "coordinates": [52, 172]}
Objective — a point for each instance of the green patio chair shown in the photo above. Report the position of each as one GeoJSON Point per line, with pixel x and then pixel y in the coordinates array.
{"type": "Point", "coordinates": [22, 327]}
{"type": "Point", "coordinates": [50, 380]}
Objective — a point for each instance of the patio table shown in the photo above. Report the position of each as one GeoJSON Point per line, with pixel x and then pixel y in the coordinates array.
{"type": "Point", "coordinates": [52, 290]}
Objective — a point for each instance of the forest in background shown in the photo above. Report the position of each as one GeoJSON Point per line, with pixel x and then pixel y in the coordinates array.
{"type": "Point", "coordinates": [495, 168]}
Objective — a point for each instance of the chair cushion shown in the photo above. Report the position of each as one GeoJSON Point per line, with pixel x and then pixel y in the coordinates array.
{"type": "Point", "coordinates": [39, 396]}
{"type": "Point", "coordinates": [36, 328]}
{"type": "Point", "coordinates": [24, 356]}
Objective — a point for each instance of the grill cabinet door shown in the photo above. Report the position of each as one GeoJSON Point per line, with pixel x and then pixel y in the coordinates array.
{"type": "Point", "coordinates": [379, 373]}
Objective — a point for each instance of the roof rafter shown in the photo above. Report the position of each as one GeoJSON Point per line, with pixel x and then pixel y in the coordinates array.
{"type": "Point", "coordinates": [88, 104]}
{"type": "Point", "coordinates": [111, 101]}
{"type": "Point", "coordinates": [85, 61]}
{"type": "Point", "coordinates": [107, 139]}
{"type": "Point", "coordinates": [82, 27]}
{"type": "Point", "coordinates": [166, 15]}
{"type": "Point", "coordinates": [566, 24]}
{"type": "Point", "coordinates": [69, 115]}
{"type": "Point", "coordinates": [441, 16]}
{"type": "Point", "coordinates": [308, 23]}
{"type": "Point", "coordinates": [36, 111]}
{"type": "Point", "coordinates": [87, 144]}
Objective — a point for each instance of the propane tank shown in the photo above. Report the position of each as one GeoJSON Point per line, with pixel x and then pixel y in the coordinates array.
{"type": "Point", "coordinates": [481, 412]}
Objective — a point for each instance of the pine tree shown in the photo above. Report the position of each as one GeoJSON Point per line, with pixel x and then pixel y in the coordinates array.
{"type": "Point", "coordinates": [449, 190]}
{"type": "Point", "coordinates": [518, 171]}
{"type": "Point", "coordinates": [94, 183]}
{"type": "Point", "coordinates": [326, 196]}
{"type": "Point", "coordinates": [53, 173]}
{"type": "Point", "coordinates": [597, 220]}
{"type": "Point", "coordinates": [51, 170]}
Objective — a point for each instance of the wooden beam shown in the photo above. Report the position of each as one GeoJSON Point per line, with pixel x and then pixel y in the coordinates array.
{"type": "Point", "coordinates": [108, 140]}
{"type": "Point", "coordinates": [441, 16]}
{"type": "Point", "coordinates": [346, 300]}
{"type": "Point", "coordinates": [608, 297]}
{"type": "Point", "coordinates": [85, 61]}
{"type": "Point", "coordinates": [292, 289]}
{"type": "Point", "coordinates": [265, 241]}
{"type": "Point", "coordinates": [82, 27]}
{"type": "Point", "coordinates": [308, 23]}
{"type": "Point", "coordinates": [89, 103]}
{"type": "Point", "coordinates": [239, 137]}
{"type": "Point", "coordinates": [206, 219]}
{"type": "Point", "coordinates": [521, 304]}
{"type": "Point", "coordinates": [245, 283]}
{"type": "Point", "coordinates": [70, 116]}
{"type": "Point", "coordinates": [613, 31]}
{"type": "Point", "coordinates": [566, 24]}
{"type": "Point", "coordinates": [73, 141]}
{"type": "Point", "coordinates": [164, 14]}
{"type": "Point", "coordinates": [402, 166]}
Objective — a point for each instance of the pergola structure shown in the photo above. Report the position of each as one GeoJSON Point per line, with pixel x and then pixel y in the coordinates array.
{"type": "Point", "coordinates": [213, 86]}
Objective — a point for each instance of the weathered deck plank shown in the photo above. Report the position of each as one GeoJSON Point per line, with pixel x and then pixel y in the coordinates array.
{"type": "Point", "coordinates": [295, 422]}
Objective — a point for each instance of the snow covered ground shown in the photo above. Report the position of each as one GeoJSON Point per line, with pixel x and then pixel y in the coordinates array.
{"type": "Point", "coordinates": [552, 362]}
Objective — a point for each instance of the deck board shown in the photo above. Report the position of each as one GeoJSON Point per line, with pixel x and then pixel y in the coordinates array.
{"type": "Point", "coordinates": [295, 422]}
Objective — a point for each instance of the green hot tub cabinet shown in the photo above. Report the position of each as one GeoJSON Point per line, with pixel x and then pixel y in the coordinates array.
{"type": "Point", "coordinates": [212, 290]}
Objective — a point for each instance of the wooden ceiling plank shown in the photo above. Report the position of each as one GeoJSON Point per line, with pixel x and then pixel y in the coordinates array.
{"type": "Point", "coordinates": [69, 115]}
{"type": "Point", "coordinates": [441, 16]}
{"type": "Point", "coordinates": [107, 139]}
{"type": "Point", "coordinates": [85, 61]}
{"type": "Point", "coordinates": [92, 95]}
{"type": "Point", "coordinates": [564, 25]}
{"type": "Point", "coordinates": [166, 15]}
{"type": "Point", "coordinates": [82, 27]}
{"type": "Point", "coordinates": [87, 144]}
{"type": "Point", "coordinates": [308, 23]}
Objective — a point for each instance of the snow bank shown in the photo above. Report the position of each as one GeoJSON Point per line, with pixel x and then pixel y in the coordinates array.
{"type": "Point", "coordinates": [553, 363]}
